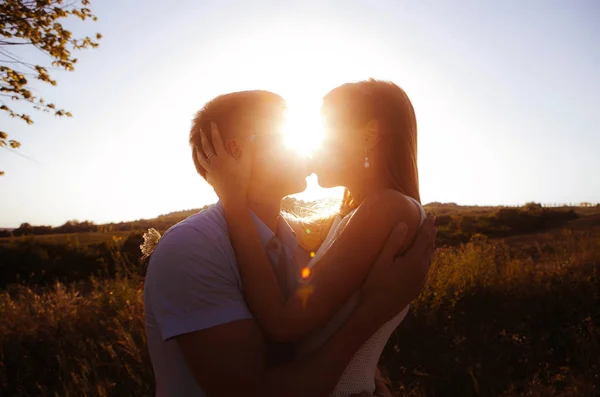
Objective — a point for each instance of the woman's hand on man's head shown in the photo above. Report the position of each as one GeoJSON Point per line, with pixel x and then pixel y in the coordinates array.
{"type": "Point", "coordinates": [227, 165]}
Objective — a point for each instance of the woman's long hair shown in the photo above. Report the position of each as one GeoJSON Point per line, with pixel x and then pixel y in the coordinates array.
{"type": "Point", "coordinates": [356, 104]}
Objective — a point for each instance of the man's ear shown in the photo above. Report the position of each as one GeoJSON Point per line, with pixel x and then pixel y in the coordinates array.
{"type": "Point", "coordinates": [372, 135]}
{"type": "Point", "coordinates": [237, 147]}
{"type": "Point", "coordinates": [234, 148]}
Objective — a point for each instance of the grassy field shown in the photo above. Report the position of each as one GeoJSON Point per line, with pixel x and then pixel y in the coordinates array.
{"type": "Point", "coordinates": [511, 316]}
{"type": "Point", "coordinates": [66, 238]}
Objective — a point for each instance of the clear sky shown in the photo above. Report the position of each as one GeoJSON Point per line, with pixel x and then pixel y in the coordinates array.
{"type": "Point", "coordinates": [507, 95]}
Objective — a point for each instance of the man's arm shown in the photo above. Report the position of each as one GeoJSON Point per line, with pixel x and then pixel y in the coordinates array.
{"type": "Point", "coordinates": [229, 359]}
{"type": "Point", "coordinates": [338, 273]}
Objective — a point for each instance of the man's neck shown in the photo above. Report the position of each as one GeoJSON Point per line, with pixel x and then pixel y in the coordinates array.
{"type": "Point", "coordinates": [265, 207]}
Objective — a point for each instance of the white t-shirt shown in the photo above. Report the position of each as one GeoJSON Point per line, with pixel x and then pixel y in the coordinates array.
{"type": "Point", "coordinates": [193, 283]}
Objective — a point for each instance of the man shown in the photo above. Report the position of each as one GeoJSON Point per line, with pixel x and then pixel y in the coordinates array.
{"type": "Point", "coordinates": [202, 338]}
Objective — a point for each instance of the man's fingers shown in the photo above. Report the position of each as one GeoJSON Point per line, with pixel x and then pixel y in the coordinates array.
{"type": "Point", "coordinates": [428, 255]}
{"type": "Point", "coordinates": [217, 139]}
{"type": "Point", "coordinates": [431, 247]}
{"type": "Point", "coordinates": [201, 158]}
{"type": "Point", "coordinates": [392, 245]}
{"type": "Point", "coordinates": [394, 241]}
{"type": "Point", "coordinates": [206, 146]}
{"type": "Point", "coordinates": [423, 240]}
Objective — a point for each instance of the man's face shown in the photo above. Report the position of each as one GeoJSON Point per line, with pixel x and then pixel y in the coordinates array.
{"type": "Point", "coordinates": [276, 168]}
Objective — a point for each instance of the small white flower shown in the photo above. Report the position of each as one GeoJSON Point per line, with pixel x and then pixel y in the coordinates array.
{"type": "Point", "coordinates": [151, 238]}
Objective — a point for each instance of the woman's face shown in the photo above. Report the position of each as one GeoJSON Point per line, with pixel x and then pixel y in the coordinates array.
{"type": "Point", "coordinates": [341, 155]}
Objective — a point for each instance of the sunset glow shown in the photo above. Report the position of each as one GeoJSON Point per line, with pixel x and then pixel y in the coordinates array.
{"type": "Point", "coordinates": [133, 161]}
{"type": "Point", "coordinates": [147, 147]}
{"type": "Point", "coordinates": [303, 127]}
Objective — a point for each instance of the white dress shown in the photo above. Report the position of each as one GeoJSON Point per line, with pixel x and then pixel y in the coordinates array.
{"type": "Point", "coordinates": [359, 375]}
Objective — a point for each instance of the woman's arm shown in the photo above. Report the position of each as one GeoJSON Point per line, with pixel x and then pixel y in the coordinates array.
{"type": "Point", "coordinates": [336, 275]}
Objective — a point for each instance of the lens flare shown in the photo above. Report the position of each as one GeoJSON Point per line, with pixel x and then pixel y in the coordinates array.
{"type": "Point", "coordinates": [305, 273]}
{"type": "Point", "coordinates": [304, 292]}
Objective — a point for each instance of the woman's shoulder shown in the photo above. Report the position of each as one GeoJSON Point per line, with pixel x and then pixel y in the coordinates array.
{"type": "Point", "coordinates": [395, 207]}
{"type": "Point", "coordinates": [389, 199]}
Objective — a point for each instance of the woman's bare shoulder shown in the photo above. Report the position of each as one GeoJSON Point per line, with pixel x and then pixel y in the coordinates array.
{"type": "Point", "coordinates": [391, 207]}
{"type": "Point", "coordinates": [392, 202]}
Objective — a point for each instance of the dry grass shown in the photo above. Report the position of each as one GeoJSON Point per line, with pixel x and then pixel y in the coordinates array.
{"type": "Point", "coordinates": [61, 342]}
{"type": "Point", "coordinates": [66, 238]}
{"type": "Point", "coordinates": [489, 323]}
{"type": "Point", "coordinates": [492, 324]}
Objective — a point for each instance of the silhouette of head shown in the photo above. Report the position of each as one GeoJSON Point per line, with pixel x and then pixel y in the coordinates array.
{"type": "Point", "coordinates": [370, 132]}
{"type": "Point", "coordinates": [276, 170]}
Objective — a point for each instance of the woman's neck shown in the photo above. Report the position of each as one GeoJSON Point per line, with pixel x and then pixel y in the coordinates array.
{"type": "Point", "coordinates": [361, 190]}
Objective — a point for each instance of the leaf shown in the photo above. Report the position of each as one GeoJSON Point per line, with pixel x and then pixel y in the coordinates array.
{"type": "Point", "coordinates": [37, 24]}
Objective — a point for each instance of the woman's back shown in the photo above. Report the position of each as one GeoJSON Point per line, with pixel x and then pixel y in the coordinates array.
{"type": "Point", "coordinates": [360, 373]}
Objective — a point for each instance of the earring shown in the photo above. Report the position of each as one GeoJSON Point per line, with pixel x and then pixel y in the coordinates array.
{"type": "Point", "coordinates": [367, 164]}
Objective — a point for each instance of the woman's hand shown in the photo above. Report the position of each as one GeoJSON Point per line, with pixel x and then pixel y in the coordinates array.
{"type": "Point", "coordinates": [228, 172]}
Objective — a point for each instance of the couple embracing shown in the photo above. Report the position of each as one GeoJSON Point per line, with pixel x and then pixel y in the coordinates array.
{"type": "Point", "coordinates": [244, 300]}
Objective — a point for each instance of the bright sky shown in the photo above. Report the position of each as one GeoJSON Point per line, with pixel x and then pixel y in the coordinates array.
{"type": "Point", "coordinates": [506, 94]}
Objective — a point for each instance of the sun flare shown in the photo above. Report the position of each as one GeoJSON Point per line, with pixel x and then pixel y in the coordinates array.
{"type": "Point", "coordinates": [303, 130]}
{"type": "Point", "coordinates": [303, 127]}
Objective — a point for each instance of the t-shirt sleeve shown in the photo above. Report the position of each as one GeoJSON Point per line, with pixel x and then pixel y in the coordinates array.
{"type": "Point", "coordinates": [192, 285]}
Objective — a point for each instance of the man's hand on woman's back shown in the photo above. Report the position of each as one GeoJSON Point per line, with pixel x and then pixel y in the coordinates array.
{"type": "Point", "coordinates": [395, 281]}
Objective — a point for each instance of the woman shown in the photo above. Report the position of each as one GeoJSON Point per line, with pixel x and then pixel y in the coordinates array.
{"type": "Point", "coordinates": [370, 147]}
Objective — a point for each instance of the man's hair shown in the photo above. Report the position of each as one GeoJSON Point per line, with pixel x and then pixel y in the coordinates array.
{"type": "Point", "coordinates": [234, 114]}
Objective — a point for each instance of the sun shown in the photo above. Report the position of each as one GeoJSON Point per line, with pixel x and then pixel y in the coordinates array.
{"type": "Point", "coordinates": [303, 128]}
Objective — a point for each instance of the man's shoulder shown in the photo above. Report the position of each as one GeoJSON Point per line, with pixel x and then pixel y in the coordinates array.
{"type": "Point", "coordinates": [208, 225]}
{"type": "Point", "coordinates": [196, 244]}
{"type": "Point", "coordinates": [199, 236]}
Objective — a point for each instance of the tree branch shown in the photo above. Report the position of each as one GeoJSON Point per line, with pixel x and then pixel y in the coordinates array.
{"type": "Point", "coordinates": [2, 42]}
{"type": "Point", "coordinates": [37, 23]}
{"type": "Point", "coordinates": [22, 155]}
